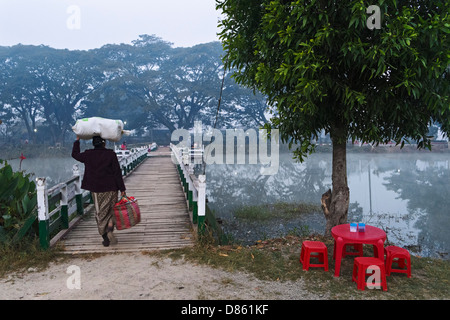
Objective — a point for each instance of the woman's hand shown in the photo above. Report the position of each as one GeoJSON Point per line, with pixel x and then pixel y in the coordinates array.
{"type": "Point", "coordinates": [123, 194]}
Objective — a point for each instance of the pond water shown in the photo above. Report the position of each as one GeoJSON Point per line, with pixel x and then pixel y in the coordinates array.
{"type": "Point", "coordinates": [406, 194]}
{"type": "Point", "coordinates": [55, 170]}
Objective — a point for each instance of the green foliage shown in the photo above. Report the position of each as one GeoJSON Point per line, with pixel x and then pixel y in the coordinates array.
{"type": "Point", "coordinates": [323, 69]}
{"type": "Point", "coordinates": [18, 199]}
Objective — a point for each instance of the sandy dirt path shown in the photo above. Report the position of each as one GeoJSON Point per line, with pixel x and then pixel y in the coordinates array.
{"type": "Point", "coordinates": [136, 276]}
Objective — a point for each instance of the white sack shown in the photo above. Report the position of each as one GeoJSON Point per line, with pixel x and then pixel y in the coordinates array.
{"type": "Point", "coordinates": [108, 129]}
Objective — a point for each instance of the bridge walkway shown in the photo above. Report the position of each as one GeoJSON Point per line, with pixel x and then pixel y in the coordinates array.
{"type": "Point", "coordinates": [165, 221]}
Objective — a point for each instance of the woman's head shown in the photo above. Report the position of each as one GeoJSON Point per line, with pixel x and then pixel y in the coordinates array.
{"type": "Point", "coordinates": [98, 141]}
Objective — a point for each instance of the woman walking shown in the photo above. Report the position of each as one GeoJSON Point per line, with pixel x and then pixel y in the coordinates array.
{"type": "Point", "coordinates": [103, 177]}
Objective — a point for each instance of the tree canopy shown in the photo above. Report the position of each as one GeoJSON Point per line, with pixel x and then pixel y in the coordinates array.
{"type": "Point", "coordinates": [323, 68]}
{"type": "Point", "coordinates": [149, 84]}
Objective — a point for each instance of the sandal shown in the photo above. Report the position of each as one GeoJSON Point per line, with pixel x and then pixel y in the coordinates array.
{"type": "Point", "coordinates": [105, 241]}
{"type": "Point", "coordinates": [111, 238]}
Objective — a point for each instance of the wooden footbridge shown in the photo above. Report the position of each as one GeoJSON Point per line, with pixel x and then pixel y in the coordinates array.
{"type": "Point", "coordinates": [171, 198]}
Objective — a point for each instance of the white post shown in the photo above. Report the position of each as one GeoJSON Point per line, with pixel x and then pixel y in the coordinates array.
{"type": "Point", "coordinates": [185, 156]}
{"type": "Point", "coordinates": [195, 205]}
{"type": "Point", "coordinates": [43, 218]}
{"type": "Point", "coordinates": [191, 188]}
{"type": "Point", "coordinates": [76, 173]}
{"type": "Point", "coordinates": [64, 207]}
{"type": "Point", "coordinates": [185, 161]}
{"type": "Point", "coordinates": [78, 193]}
{"type": "Point", "coordinates": [201, 201]}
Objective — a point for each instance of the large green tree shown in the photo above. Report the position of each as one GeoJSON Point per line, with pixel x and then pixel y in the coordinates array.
{"type": "Point", "coordinates": [42, 82]}
{"type": "Point", "coordinates": [171, 87]}
{"type": "Point", "coordinates": [323, 66]}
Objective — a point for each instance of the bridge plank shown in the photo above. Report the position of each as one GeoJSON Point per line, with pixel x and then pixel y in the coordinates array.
{"type": "Point", "coordinates": [165, 222]}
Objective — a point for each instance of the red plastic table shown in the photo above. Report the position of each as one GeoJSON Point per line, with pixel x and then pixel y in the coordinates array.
{"type": "Point", "coordinates": [342, 236]}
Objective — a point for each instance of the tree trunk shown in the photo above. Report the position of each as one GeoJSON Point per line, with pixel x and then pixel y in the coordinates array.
{"type": "Point", "coordinates": [335, 202]}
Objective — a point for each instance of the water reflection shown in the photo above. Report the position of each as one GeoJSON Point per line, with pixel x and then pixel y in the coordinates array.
{"type": "Point", "coordinates": [424, 185]}
{"type": "Point", "coordinates": [405, 194]}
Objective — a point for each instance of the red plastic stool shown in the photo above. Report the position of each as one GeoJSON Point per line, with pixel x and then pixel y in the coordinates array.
{"type": "Point", "coordinates": [360, 267]}
{"type": "Point", "coordinates": [398, 255]}
{"type": "Point", "coordinates": [314, 249]}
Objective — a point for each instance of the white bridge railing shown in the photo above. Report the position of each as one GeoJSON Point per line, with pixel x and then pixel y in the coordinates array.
{"type": "Point", "coordinates": [130, 159]}
{"type": "Point", "coordinates": [194, 187]}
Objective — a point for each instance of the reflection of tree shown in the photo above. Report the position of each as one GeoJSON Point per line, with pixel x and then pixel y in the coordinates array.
{"type": "Point", "coordinates": [244, 185]}
{"type": "Point", "coordinates": [238, 184]}
{"type": "Point", "coordinates": [231, 186]}
{"type": "Point", "coordinates": [426, 190]}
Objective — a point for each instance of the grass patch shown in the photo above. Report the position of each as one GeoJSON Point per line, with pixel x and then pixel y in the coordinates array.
{"type": "Point", "coordinates": [278, 210]}
{"type": "Point", "coordinates": [278, 260]}
{"type": "Point", "coordinates": [24, 255]}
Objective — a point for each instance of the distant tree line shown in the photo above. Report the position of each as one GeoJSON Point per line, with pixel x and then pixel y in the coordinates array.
{"type": "Point", "coordinates": [148, 84]}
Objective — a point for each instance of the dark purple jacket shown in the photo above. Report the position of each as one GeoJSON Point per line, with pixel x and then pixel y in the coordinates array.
{"type": "Point", "coordinates": [102, 171]}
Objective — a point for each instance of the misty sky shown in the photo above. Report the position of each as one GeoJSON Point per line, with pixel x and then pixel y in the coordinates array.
{"type": "Point", "coordinates": [87, 24]}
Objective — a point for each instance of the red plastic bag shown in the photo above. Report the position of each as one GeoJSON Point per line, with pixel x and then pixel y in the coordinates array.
{"type": "Point", "coordinates": [127, 213]}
